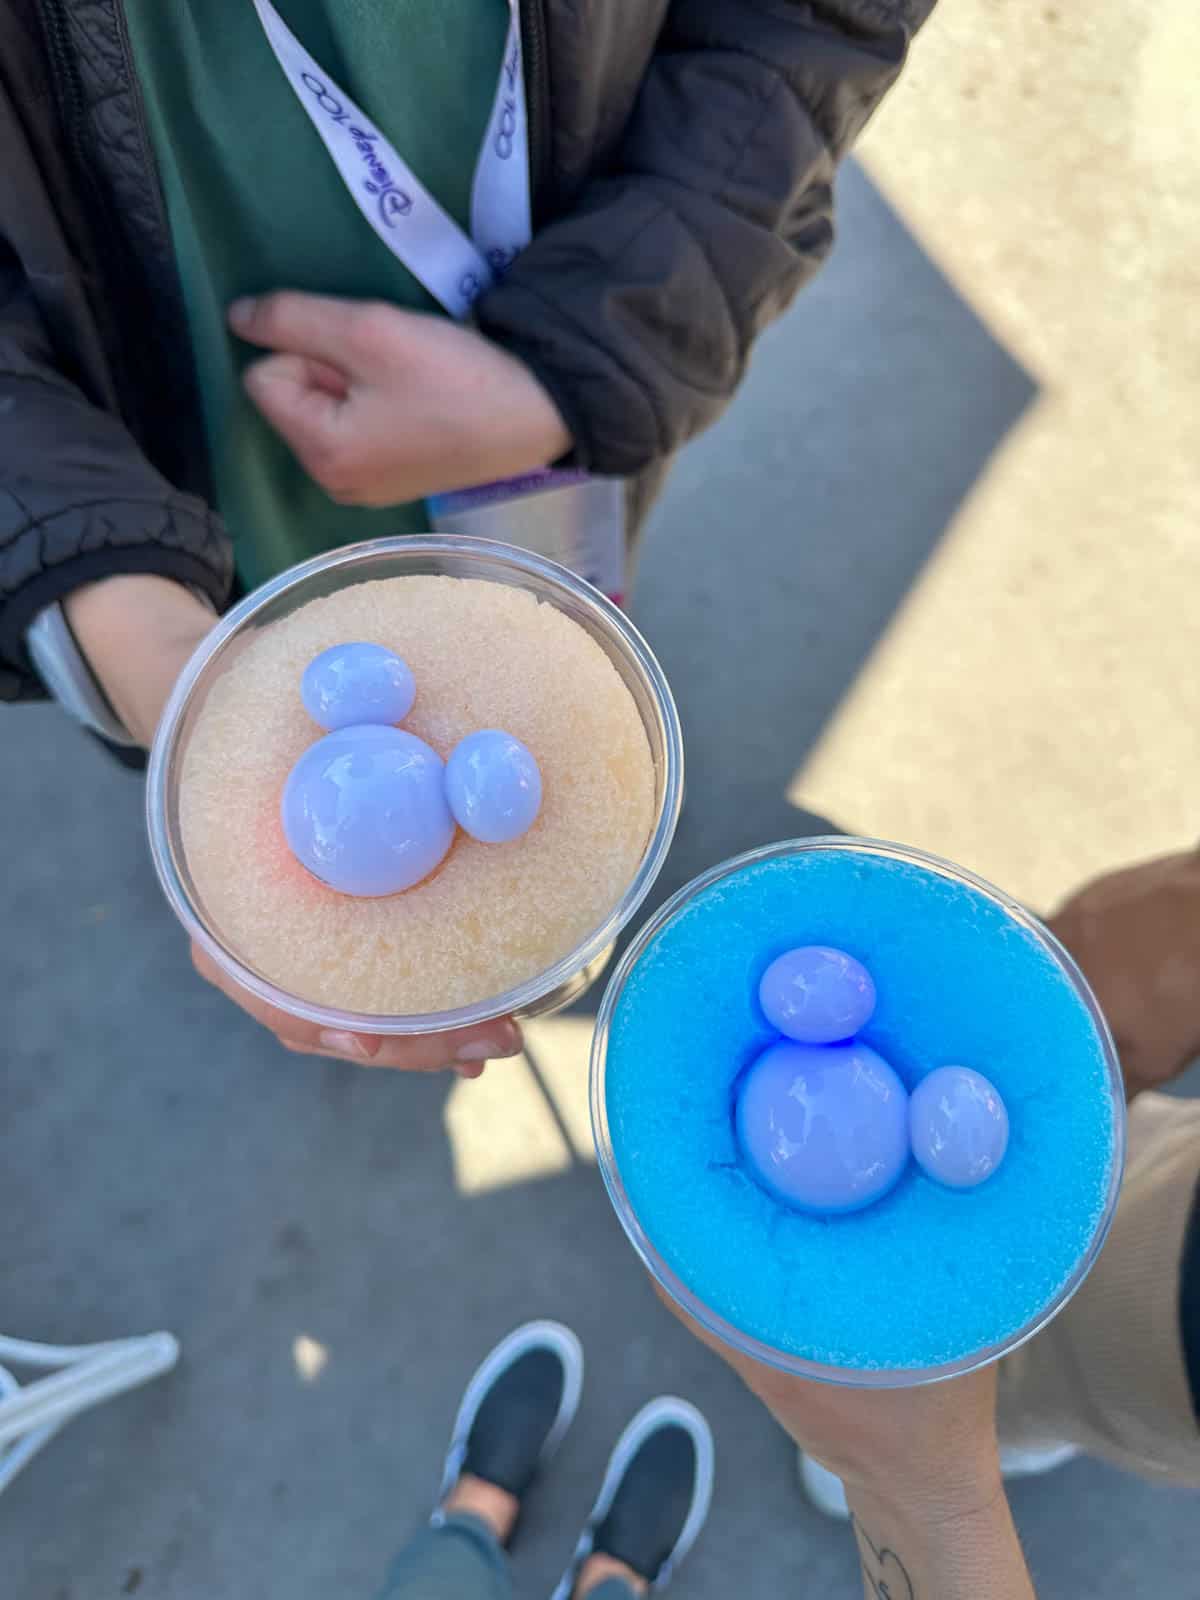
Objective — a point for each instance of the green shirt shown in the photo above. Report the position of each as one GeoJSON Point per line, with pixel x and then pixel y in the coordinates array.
{"type": "Point", "coordinates": [255, 203]}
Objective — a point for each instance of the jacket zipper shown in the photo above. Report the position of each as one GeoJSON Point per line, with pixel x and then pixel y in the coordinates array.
{"type": "Point", "coordinates": [537, 95]}
{"type": "Point", "coordinates": [149, 160]}
{"type": "Point", "coordinates": [72, 104]}
{"type": "Point", "coordinates": [111, 248]}
{"type": "Point", "coordinates": [70, 95]}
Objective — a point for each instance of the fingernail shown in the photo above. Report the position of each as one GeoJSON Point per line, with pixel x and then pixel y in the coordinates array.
{"type": "Point", "coordinates": [348, 1044]}
{"type": "Point", "coordinates": [472, 1070]}
{"type": "Point", "coordinates": [477, 1050]}
{"type": "Point", "coordinates": [241, 311]}
{"type": "Point", "coordinates": [496, 1044]}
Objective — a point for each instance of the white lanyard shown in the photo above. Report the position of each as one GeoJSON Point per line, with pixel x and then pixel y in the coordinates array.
{"type": "Point", "coordinates": [412, 224]}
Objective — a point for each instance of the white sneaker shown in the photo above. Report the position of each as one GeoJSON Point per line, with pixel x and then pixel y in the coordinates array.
{"type": "Point", "coordinates": [824, 1489]}
{"type": "Point", "coordinates": [1028, 1461]}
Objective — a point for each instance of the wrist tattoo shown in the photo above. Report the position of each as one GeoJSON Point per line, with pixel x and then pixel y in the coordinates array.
{"type": "Point", "coordinates": [883, 1569]}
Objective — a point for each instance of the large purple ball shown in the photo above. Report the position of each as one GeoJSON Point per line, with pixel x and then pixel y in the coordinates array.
{"type": "Point", "coordinates": [364, 809]}
{"type": "Point", "coordinates": [355, 683]}
{"type": "Point", "coordinates": [824, 1128]}
{"type": "Point", "coordinates": [816, 995]}
{"type": "Point", "coordinates": [959, 1126]}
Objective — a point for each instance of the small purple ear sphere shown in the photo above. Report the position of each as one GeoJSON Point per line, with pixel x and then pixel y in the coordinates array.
{"type": "Point", "coordinates": [493, 786]}
{"type": "Point", "coordinates": [350, 684]}
{"type": "Point", "coordinates": [823, 1127]}
{"type": "Point", "coordinates": [364, 809]}
{"type": "Point", "coordinates": [816, 995]}
{"type": "Point", "coordinates": [959, 1127]}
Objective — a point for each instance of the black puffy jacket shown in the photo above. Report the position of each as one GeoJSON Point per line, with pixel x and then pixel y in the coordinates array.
{"type": "Point", "coordinates": [683, 153]}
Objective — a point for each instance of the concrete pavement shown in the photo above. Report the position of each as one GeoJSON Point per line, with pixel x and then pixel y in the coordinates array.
{"type": "Point", "coordinates": [944, 550]}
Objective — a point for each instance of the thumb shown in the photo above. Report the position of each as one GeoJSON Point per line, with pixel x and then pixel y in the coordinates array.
{"type": "Point", "coordinates": [297, 398]}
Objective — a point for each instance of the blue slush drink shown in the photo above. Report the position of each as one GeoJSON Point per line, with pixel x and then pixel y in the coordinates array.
{"type": "Point", "coordinates": [930, 1279]}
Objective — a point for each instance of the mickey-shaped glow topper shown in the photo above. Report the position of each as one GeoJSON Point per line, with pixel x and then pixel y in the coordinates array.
{"type": "Point", "coordinates": [825, 1124]}
{"type": "Point", "coordinates": [370, 809]}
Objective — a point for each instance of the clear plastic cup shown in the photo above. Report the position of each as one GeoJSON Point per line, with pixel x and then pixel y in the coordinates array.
{"type": "Point", "coordinates": [489, 561]}
{"type": "Point", "coordinates": [674, 1286]}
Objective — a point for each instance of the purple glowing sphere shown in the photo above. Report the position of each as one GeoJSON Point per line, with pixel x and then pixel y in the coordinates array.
{"type": "Point", "coordinates": [823, 1128]}
{"type": "Point", "coordinates": [959, 1127]}
{"type": "Point", "coordinates": [816, 995]}
{"type": "Point", "coordinates": [364, 809]}
{"type": "Point", "coordinates": [351, 684]}
{"type": "Point", "coordinates": [493, 786]}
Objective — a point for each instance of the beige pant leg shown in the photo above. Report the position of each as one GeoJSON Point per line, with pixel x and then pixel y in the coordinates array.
{"type": "Point", "coordinates": [1108, 1373]}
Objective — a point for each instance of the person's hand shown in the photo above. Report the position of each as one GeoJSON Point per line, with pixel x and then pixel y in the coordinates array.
{"type": "Point", "coordinates": [137, 634]}
{"type": "Point", "coordinates": [929, 1450]}
{"type": "Point", "coordinates": [383, 406]}
{"type": "Point", "coordinates": [465, 1051]}
{"type": "Point", "coordinates": [1136, 935]}
{"type": "Point", "coordinates": [921, 1470]}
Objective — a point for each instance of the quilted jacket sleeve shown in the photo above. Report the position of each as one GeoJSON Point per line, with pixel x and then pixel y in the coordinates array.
{"type": "Point", "coordinates": [78, 500]}
{"type": "Point", "coordinates": [638, 309]}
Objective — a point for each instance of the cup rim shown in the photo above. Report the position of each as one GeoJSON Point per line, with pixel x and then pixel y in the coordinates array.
{"type": "Point", "coordinates": [665, 1276]}
{"type": "Point", "coordinates": [521, 997]}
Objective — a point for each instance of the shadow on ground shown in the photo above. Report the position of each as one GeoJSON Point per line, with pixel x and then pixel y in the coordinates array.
{"type": "Point", "coordinates": [790, 537]}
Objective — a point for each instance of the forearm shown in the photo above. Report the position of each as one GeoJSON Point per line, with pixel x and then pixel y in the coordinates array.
{"type": "Point", "coordinates": [920, 1553]}
{"type": "Point", "coordinates": [136, 633]}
